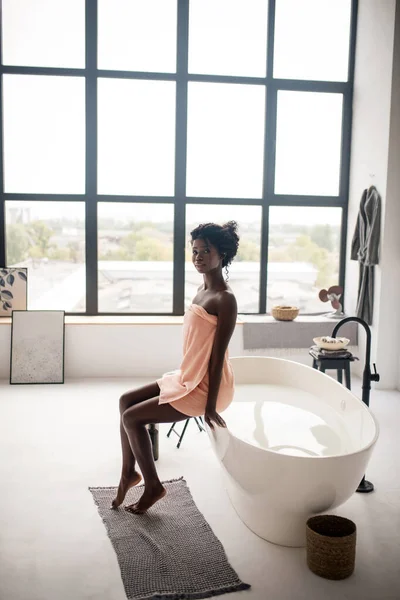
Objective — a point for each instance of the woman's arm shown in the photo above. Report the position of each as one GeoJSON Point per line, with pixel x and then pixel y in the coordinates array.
{"type": "Point", "coordinates": [227, 313]}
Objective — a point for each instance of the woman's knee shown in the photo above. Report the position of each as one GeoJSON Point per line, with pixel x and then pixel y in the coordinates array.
{"type": "Point", "coordinates": [131, 418]}
{"type": "Point", "coordinates": [124, 403]}
{"type": "Point", "coordinates": [133, 397]}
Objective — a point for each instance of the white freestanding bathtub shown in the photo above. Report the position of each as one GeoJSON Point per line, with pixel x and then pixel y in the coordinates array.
{"type": "Point", "coordinates": [297, 443]}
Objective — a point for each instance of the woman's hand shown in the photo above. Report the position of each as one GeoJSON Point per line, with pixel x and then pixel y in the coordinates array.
{"type": "Point", "coordinates": [211, 417]}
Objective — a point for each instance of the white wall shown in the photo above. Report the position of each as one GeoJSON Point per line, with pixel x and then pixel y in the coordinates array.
{"type": "Point", "coordinates": [373, 135]}
{"type": "Point", "coordinates": [117, 350]}
{"type": "Point", "coordinates": [394, 183]}
{"type": "Point", "coordinates": [388, 348]}
{"type": "Point", "coordinates": [111, 350]}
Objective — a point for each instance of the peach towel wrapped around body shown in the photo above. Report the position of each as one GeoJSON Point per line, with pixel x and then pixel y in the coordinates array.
{"type": "Point", "coordinates": [186, 389]}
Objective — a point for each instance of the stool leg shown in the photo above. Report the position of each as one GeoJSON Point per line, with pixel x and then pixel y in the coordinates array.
{"type": "Point", "coordinates": [171, 430]}
{"type": "Point", "coordinates": [347, 375]}
{"type": "Point", "coordinates": [314, 364]}
{"type": "Point", "coordinates": [198, 424]}
{"type": "Point", "coordinates": [340, 375]}
{"type": "Point", "coordinates": [183, 433]}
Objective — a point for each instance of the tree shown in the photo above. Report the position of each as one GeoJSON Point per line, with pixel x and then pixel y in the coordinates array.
{"type": "Point", "coordinates": [40, 234]}
{"type": "Point", "coordinates": [152, 249]}
{"type": "Point", "coordinates": [62, 254]}
{"type": "Point", "coordinates": [277, 255]}
{"type": "Point", "coordinates": [248, 251]}
{"type": "Point", "coordinates": [322, 235]}
{"type": "Point", "coordinates": [128, 244]}
{"type": "Point", "coordinates": [17, 244]}
{"type": "Point", "coordinates": [305, 250]}
{"type": "Point", "coordinates": [74, 251]}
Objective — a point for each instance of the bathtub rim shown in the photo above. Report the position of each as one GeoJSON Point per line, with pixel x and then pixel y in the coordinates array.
{"type": "Point", "coordinates": [364, 407]}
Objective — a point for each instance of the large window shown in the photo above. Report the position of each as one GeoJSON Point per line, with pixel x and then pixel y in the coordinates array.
{"type": "Point", "coordinates": [124, 124]}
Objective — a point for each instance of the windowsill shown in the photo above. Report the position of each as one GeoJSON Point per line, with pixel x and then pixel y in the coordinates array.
{"type": "Point", "coordinates": [177, 320]}
{"type": "Point", "coordinates": [299, 319]}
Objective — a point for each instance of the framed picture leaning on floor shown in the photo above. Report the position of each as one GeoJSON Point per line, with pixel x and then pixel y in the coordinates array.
{"type": "Point", "coordinates": [37, 346]}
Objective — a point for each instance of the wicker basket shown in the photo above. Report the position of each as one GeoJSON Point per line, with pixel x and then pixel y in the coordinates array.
{"type": "Point", "coordinates": [331, 546]}
{"type": "Point", "coordinates": [285, 313]}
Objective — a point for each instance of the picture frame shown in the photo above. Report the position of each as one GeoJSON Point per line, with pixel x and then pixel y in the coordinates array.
{"type": "Point", "coordinates": [13, 290]}
{"type": "Point", "coordinates": [37, 351]}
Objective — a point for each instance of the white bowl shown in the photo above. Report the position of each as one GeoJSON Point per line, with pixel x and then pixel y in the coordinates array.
{"type": "Point", "coordinates": [329, 343]}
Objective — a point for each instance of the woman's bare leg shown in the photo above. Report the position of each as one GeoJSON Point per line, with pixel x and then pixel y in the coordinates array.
{"type": "Point", "coordinates": [129, 475]}
{"type": "Point", "coordinates": [134, 421]}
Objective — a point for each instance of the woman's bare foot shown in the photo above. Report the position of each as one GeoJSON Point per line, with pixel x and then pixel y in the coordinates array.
{"type": "Point", "coordinates": [124, 485]}
{"type": "Point", "coordinates": [150, 497]}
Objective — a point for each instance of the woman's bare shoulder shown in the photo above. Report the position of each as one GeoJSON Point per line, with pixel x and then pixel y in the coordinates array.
{"type": "Point", "coordinates": [226, 301]}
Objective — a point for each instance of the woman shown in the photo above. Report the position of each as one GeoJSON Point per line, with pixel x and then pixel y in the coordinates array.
{"type": "Point", "coordinates": [203, 385]}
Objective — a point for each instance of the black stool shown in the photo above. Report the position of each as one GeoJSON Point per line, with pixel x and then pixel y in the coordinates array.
{"type": "Point", "coordinates": [325, 363]}
{"type": "Point", "coordinates": [199, 425]}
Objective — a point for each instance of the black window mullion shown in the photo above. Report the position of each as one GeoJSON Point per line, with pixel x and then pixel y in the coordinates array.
{"type": "Point", "coordinates": [44, 197]}
{"type": "Point", "coordinates": [2, 200]}
{"type": "Point", "coordinates": [342, 251]}
{"type": "Point", "coordinates": [270, 40]}
{"type": "Point", "coordinates": [180, 157]}
{"type": "Point", "coordinates": [310, 201]}
{"type": "Point", "coordinates": [353, 37]}
{"type": "Point", "coordinates": [268, 190]}
{"type": "Point", "coordinates": [91, 159]}
{"type": "Point", "coordinates": [346, 147]}
{"type": "Point", "coordinates": [264, 258]}
{"type": "Point", "coordinates": [310, 85]}
{"type": "Point", "coordinates": [269, 158]}
{"type": "Point", "coordinates": [49, 71]}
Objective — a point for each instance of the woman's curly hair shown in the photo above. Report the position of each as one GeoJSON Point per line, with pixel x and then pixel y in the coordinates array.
{"type": "Point", "coordinates": [224, 237]}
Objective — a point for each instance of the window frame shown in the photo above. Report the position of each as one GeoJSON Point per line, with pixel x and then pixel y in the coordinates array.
{"type": "Point", "coordinates": [91, 197]}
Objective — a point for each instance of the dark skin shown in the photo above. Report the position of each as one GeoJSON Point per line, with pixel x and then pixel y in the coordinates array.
{"type": "Point", "coordinates": [140, 407]}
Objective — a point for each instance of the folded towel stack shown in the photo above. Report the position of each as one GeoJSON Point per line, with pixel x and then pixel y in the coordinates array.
{"type": "Point", "coordinates": [322, 353]}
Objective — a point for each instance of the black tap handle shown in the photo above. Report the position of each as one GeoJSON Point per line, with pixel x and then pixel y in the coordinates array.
{"type": "Point", "coordinates": [375, 376]}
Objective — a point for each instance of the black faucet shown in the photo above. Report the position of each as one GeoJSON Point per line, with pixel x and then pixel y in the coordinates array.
{"type": "Point", "coordinates": [367, 375]}
{"type": "Point", "coordinates": [365, 486]}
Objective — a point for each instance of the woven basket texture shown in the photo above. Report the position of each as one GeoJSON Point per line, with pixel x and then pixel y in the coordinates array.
{"type": "Point", "coordinates": [331, 546]}
{"type": "Point", "coordinates": [285, 313]}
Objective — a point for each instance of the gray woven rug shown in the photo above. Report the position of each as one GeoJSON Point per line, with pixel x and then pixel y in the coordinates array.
{"type": "Point", "coordinates": [169, 553]}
